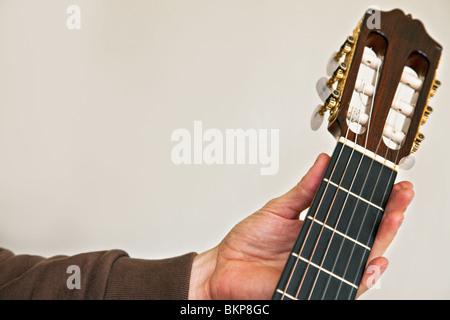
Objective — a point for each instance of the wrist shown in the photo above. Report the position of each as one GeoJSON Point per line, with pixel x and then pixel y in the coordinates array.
{"type": "Point", "coordinates": [203, 267]}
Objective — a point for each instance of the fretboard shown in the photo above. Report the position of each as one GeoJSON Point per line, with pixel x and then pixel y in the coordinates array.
{"type": "Point", "coordinates": [330, 254]}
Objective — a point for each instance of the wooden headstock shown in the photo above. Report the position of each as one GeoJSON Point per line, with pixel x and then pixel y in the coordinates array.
{"type": "Point", "coordinates": [380, 89]}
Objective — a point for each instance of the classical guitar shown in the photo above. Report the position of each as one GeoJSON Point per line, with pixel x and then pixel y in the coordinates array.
{"type": "Point", "coordinates": [376, 98]}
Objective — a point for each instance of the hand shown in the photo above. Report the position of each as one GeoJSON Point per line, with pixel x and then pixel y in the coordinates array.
{"type": "Point", "coordinates": [247, 264]}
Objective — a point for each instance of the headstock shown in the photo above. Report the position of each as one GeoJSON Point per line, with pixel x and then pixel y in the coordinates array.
{"type": "Point", "coordinates": [379, 85]}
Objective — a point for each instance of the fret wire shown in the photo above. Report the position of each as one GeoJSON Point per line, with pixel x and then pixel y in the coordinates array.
{"type": "Point", "coordinates": [309, 262]}
{"type": "Point", "coordinates": [321, 230]}
{"type": "Point", "coordinates": [332, 171]}
{"type": "Point", "coordinates": [353, 194]}
{"type": "Point", "coordinates": [340, 214]}
{"type": "Point", "coordinates": [338, 160]}
{"type": "Point", "coordinates": [365, 149]}
{"type": "Point", "coordinates": [286, 294]}
{"type": "Point", "coordinates": [383, 199]}
{"type": "Point", "coordinates": [340, 233]}
{"type": "Point", "coordinates": [333, 217]}
{"type": "Point", "coordinates": [378, 177]}
{"type": "Point", "coordinates": [348, 225]}
{"type": "Point", "coordinates": [331, 174]}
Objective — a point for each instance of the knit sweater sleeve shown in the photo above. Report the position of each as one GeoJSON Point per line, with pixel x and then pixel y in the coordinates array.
{"type": "Point", "coordinates": [110, 274]}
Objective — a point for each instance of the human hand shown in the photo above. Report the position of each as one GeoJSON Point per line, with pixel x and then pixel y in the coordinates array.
{"type": "Point", "coordinates": [247, 264]}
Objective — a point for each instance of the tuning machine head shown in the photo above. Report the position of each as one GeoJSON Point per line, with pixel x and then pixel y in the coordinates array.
{"type": "Point", "coordinates": [417, 141]}
{"type": "Point", "coordinates": [330, 105]}
{"type": "Point", "coordinates": [408, 162]}
{"type": "Point", "coordinates": [338, 75]}
{"type": "Point", "coordinates": [426, 114]}
{"type": "Point", "coordinates": [329, 93]}
{"type": "Point", "coordinates": [345, 48]}
{"type": "Point", "coordinates": [434, 87]}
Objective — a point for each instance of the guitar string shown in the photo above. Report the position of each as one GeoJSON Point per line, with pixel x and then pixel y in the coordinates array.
{"type": "Point", "coordinates": [383, 200]}
{"type": "Point", "coordinates": [371, 198]}
{"type": "Point", "coordinates": [332, 202]}
{"type": "Point", "coordinates": [351, 219]}
{"type": "Point", "coordinates": [367, 208]}
{"type": "Point", "coordinates": [351, 185]}
{"type": "Point", "coordinates": [337, 223]}
{"type": "Point", "coordinates": [385, 194]}
{"type": "Point", "coordinates": [362, 223]}
{"type": "Point", "coordinates": [318, 206]}
{"type": "Point", "coordinates": [323, 225]}
{"type": "Point", "coordinates": [375, 221]}
{"type": "Point", "coordinates": [310, 227]}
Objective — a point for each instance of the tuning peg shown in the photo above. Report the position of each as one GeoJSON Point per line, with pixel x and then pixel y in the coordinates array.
{"type": "Point", "coordinates": [322, 89]}
{"type": "Point", "coordinates": [419, 138]}
{"type": "Point", "coordinates": [345, 48]}
{"type": "Point", "coordinates": [317, 118]}
{"type": "Point", "coordinates": [426, 114]}
{"type": "Point", "coordinates": [371, 59]}
{"type": "Point", "coordinates": [407, 163]}
{"type": "Point", "coordinates": [338, 74]}
{"type": "Point", "coordinates": [436, 84]}
{"type": "Point", "coordinates": [332, 64]}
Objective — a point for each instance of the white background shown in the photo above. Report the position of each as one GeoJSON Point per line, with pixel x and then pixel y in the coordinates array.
{"type": "Point", "coordinates": [86, 118]}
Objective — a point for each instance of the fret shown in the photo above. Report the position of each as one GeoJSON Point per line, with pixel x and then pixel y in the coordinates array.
{"type": "Point", "coordinates": [353, 194]}
{"type": "Point", "coordinates": [285, 294]}
{"type": "Point", "coordinates": [325, 270]}
{"type": "Point", "coordinates": [330, 250]}
{"type": "Point", "coordinates": [339, 233]}
{"type": "Point", "coordinates": [325, 279]}
{"type": "Point", "coordinates": [363, 176]}
{"type": "Point", "coordinates": [329, 256]}
{"type": "Point", "coordinates": [354, 218]}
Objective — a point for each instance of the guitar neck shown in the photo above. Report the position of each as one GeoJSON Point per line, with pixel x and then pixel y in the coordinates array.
{"type": "Point", "coordinates": [331, 252]}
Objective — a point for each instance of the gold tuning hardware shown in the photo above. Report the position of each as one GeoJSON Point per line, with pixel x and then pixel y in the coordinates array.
{"type": "Point", "coordinates": [338, 74]}
{"type": "Point", "coordinates": [426, 114]}
{"type": "Point", "coordinates": [434, 87]}
{"type": "Point", "coordinates": [331, 103]}
{"type": "Point", "coordinates": [345, 48]}
{"type": "Point", "coordinates": [419, 138]}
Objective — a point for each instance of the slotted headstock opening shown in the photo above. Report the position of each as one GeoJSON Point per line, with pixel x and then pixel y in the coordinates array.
{"type": "Point", "coordinates": [405, 100]}
{"type": "Point", "coordinates": [382, 98]}
{"type": "Point", "coordinates": [358, 114]}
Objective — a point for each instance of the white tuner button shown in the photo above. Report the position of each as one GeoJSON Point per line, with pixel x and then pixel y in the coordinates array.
{"type": "Point", "coordinates": [316, 119]}
{"type": "Point", "coordinates": [332, 64]}
{"type": "Point", "coordinates": [407, 163]}
{"type": "Point", "coordinates": [322, 89]}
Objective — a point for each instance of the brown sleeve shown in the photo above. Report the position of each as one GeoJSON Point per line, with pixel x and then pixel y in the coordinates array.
{"type": "Point", "coordinates": [103, 275]}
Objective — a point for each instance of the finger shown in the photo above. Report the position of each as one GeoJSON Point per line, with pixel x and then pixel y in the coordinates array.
{"type": "Point", "coordinates": [372, 274]}
{"type": "Point", "coordinates": [392, 220]}
{"type": "Point", "coordinates": [401, 196]}
{"type": "Point", "coordinates": [291, 204]}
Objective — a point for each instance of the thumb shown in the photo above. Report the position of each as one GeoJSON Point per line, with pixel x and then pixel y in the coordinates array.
{"type": "Point", "coordinates": [299, 198]}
